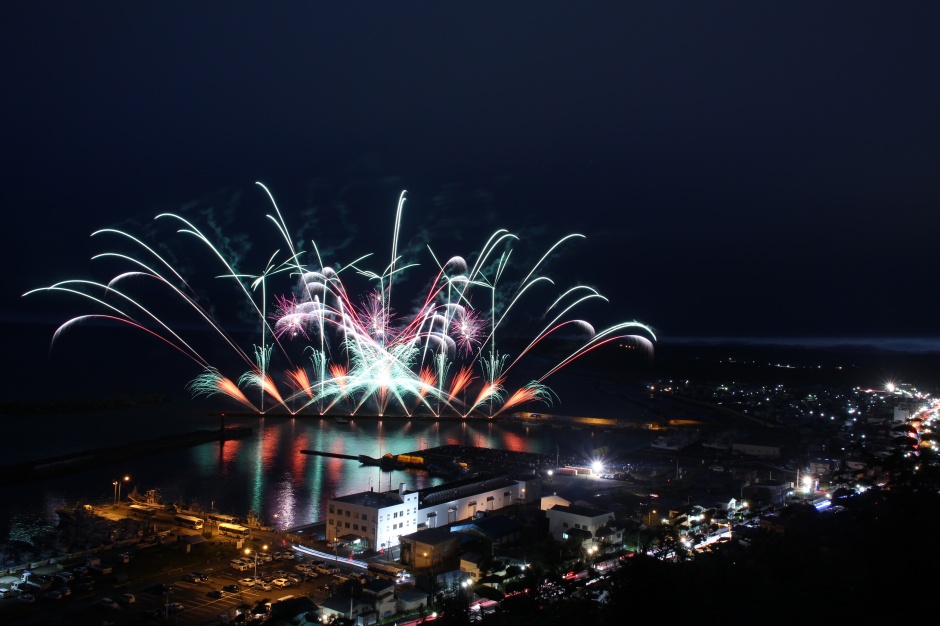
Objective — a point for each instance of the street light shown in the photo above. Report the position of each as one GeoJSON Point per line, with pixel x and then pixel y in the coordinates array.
{"type": "Point", "coordinates": [117, 489]}
{"type": "Point", "coordinates": [249, 551]}
{"type": "Point", "coordinates": [649, 519]}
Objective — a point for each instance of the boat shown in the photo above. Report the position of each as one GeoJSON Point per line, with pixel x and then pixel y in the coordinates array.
{"type": "Point", "coordinates": [672, 443]}
{"type": "Point", "coordinates": [662, 443]}
{"type": "Point", "coordinates": [151, 498]}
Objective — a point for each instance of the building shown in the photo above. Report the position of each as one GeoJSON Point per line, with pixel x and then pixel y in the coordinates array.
{"type": "Point", "coordinates": [583, 522]}
{"type": "Point", "coordinates": [344, 607]}
{"type": "Point", "coordinates": [429, 548]}
{"type": "Point", "coordinates": [411, 599]}
{"type": "Point", "coordinates": [381, 519]}
{"type": "Point", "coordinates": [470, 564]}
{"type": "Point", "coordinates": [381, 594]}
{"type": "Point", "coordinates": [757, 448]}
{"type": "Point", "coordinates": [495, 529]}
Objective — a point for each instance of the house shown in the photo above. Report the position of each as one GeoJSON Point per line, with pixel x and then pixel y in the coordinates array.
{"type": "Point", "coordinates": [344, 607]}
{"type": "Point", "coordinates": [411, 599]}
{"type": "Point", "coordinates": [578, 522]}
{"type": "Point", "coordinates": [381, 594]}
{"type": "Point", "coordinates": [292, 611]}
{"type": "Point", "coordinates": [470, 563]}
{"type": "Point", "coordinates": [548, 502]}
{"type": "Point", "coordinates": [430, 547]}
{"type": "Point", "coordinates": [449, 583]}
{"type": "Point", "coordinates": [769, 491]}
{"type": "Point", "coordinates": [498, 530]}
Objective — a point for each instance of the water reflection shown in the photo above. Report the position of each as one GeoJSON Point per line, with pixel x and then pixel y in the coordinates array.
{"type": "Point", "coordinates": [268, 473]}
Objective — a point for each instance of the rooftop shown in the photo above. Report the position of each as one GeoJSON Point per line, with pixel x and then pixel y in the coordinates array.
{"type": "Point", "coordinates": [371, 499]}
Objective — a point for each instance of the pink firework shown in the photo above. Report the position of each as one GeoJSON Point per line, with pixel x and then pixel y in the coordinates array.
{"type": "Point", "coordinates": [468, 329]}
{"type": "Point", "coordinates": [288, 320]}
{"type": "Point", "coordinates": [374, 317]}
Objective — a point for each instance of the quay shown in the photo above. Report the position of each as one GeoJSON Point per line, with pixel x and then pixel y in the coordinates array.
{"type": "Point", "coordinates": [335, 455]}
{"type": "Point", "coordinates": [67, 463]}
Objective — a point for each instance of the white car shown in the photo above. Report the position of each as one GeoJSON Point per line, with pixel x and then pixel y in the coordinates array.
{"type": "Point", "coordinates": [264, 586]}
{"type": "Point", "coordinates": [280, 582]}
{"type": "Point", "coordinates": [109, 603]}
{"type": "Point", "coordinates": [247, 582]}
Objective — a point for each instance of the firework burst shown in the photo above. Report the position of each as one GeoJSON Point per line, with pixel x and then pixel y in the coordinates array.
{"type": "Point", "coordinates": [359, 356]}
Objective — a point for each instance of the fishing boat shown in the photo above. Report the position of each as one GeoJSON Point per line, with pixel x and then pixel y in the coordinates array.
{"type": "Point", "coordinates": [672, 442]}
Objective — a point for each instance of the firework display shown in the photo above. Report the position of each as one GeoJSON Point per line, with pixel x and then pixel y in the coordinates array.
{"type": "Point", "coordinates": [320, 350]}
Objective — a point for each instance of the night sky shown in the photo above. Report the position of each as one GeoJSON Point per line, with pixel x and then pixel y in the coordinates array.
{"type": "Point", "coordinates": [739, 169]}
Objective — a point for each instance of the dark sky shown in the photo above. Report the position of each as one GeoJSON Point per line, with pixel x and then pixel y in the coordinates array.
{"type": "Point", "coordinates": [739, 169]}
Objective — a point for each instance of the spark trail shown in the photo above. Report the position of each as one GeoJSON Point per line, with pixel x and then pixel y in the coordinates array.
{"type": "Point", "coordinates": [321, 350]}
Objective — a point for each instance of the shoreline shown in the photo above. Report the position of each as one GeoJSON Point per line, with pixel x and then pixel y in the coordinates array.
{"type": "Point", "coordinates": [50, 467]}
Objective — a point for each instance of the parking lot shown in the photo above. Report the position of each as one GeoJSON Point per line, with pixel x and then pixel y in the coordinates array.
{"type": "Point", "coordinates": [211, 595]}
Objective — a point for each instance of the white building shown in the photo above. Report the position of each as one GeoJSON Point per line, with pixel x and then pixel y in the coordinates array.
{"type": "Point", "coordinates": [562, 520]}
{"type": "Point", "coordinates": [378, 517]}
{"type": "Point", "coordinates": [381, 518]}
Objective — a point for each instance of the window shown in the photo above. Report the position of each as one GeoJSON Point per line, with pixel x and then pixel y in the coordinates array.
{"type": "Point", "coordinates": [347, 513]}
{"type": "Point", "coordinates": [330, 521]}
{"type": "Point", "coordinates": [347, 524]}
{"type": "Point", "coordinates": [396, 515]}
{"type": "Point", "coordinates": [356, 527]}
{"type": "Point", "coordinates": [331, 508]}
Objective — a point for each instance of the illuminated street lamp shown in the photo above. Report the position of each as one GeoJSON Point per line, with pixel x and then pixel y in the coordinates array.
{"type": "Point", "coordinates": [590, 554]}
{"type": "Point", "coordinates": [249, 551]}
{"type": "Point", "coordinates": [649, 518]}
{"type": "Point", "coordinates": [117, 489]}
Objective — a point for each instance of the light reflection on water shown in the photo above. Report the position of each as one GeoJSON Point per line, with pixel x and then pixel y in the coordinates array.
{"type": "Point", "coordinates": [268, 472]}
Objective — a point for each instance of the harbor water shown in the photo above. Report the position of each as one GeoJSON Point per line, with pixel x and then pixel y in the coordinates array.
{"type": "Point", "coordinates": [267, 472]}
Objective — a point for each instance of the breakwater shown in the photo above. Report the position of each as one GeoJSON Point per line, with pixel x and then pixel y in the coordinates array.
{"type": "Point", "coordinates": [67, 463]}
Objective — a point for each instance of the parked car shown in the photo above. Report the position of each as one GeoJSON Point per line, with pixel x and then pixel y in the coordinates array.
{"type": "Point", "coordinates": [174, 607]}
{"type": "Point", "coordinates": [294, 578]}
{"type": "Point", "coordinates": [65, 591]}
{"type": "Point", "coordinates": [217, 593]}
{"type": "Point", "coordinates": [247, 582]}
{"type": "Point", "coordinates": [27, 597]}
{"type": "Point", "coordinates": [230, 588]}
{"type": "Point", "coordinates": [263, 585]}
{"type": "Point", "coordinates": [281, 582]}
{"type": "Point", "coordinates": [128, 598]}
{"type": "Point", "coordinates": [53, 595]}
{"type": "Point", "coordinates": [108, 603]}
